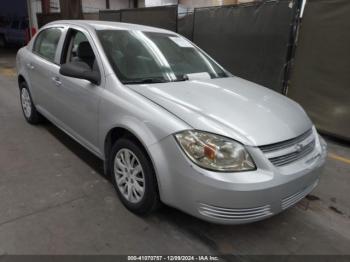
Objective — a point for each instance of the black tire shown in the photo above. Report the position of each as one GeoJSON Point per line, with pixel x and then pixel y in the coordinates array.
{"type": "Point", "coordinates": [2, 41]}
{"type": "Point", "coordinates": [150, 200]}
{"type": "Point", "coordinates": [34, 117]}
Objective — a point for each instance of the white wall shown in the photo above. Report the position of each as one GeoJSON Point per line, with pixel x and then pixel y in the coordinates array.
{"type": "Point", "coordinates": [149, 3]}
{"type": "Point", "coordinates": [118, 4]}
{"type": "Point", "coordinates": [35, 7]}
{"type": "Point", "coordinates": [55, 6]}
{"type": "Point", "coordinates": [92, 6]}
{"type": "Point", "coordinates": [204, 3]}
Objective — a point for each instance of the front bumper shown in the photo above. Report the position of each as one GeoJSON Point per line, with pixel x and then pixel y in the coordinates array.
{"type": "Point", "coordinates": [233, 198]}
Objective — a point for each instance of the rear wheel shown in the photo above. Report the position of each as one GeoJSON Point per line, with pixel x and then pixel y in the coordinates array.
{"type": "Point", "coordinates": [29, 111]}
{"type": "Point", "coordinates": [134, 177]}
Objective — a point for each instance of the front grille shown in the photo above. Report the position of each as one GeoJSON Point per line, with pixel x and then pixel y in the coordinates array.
{"type": "Point", "coordinates": [234, 213]}
{"type": "Point", "coordinates": [286, 143]}
{"type": "Point", "coordinates": [292, 157]}
{"type": "Point", "coordinates": [289, 151]}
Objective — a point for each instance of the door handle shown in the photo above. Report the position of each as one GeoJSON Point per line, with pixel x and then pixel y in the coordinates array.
{"type": "Point", "coordinates": [30, 66]}
{"type": "Point", "coordinates": [57, 81]}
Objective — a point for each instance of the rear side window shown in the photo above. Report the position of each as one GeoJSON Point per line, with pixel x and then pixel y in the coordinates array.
{"type": "Point", "coordinates": [46, 43]}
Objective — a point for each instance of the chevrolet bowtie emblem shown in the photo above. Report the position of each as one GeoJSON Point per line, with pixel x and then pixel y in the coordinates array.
{"type": "Point", "coordinates": [299, 147]}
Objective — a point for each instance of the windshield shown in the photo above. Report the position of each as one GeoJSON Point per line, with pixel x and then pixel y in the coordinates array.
{"type": "Point", "coordinates": [150, 57]}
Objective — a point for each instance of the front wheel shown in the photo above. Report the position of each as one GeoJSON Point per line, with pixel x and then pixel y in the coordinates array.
{"type": "Point", "coordinates": [134, 177]}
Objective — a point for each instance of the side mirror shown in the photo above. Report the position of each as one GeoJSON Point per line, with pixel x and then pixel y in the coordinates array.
{"type": "Point", "coordinates": [80, 70]}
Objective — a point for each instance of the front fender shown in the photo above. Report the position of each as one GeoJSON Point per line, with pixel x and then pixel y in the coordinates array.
{"type": "Point", "coordinates": [124, 108]}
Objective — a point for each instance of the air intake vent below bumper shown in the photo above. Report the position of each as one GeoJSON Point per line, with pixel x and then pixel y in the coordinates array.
{"type": "Point", "coordinates": [234, 213]}
{"type": "Point", "coordinates": [295, 198]}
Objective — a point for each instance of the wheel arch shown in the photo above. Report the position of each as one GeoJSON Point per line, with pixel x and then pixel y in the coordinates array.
{"type": "Point", "coordinates": [23, 79]}
{"type": "Point", "coordinates": [116, 133]}
{"type": "Point", "coordinates": [20, 80]}
{"type": "Point", "coordinates": [119, 132]}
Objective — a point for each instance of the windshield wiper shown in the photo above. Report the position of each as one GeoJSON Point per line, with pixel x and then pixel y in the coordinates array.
{"type": "Point", "coordinates": [180, 79]}
{"type": "Point", "coordinates": [145, 81]}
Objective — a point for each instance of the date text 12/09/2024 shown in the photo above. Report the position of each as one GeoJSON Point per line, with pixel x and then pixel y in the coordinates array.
{"type": "Point", "coordinates": [173, 258]}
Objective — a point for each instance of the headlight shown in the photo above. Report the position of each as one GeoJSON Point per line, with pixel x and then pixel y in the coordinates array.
{"type": "Point", "coordinates": [215, 152]}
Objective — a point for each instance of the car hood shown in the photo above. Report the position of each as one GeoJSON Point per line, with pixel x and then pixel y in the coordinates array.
{"type": "Point", "coordinates": [232, 107]}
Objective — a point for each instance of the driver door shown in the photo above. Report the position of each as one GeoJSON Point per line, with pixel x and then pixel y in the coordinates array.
{"type": "Point", "coordinates": [78, 99]}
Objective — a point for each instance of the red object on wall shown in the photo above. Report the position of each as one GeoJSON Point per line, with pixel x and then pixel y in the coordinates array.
{"type": "Point", "coordinates": [27, 35]}
{"type": "Point", "coordinates": [33, 31]}
{"type": "Point", "coordinates": [30, 32]}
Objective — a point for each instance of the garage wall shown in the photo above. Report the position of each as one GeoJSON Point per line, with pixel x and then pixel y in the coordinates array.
{"type": "Point", "coordinates": [94, 6]}
{"type": "Point", "coordinates": [321, 76]}
{"type": "Point", "coordinates": [162, 16]}
{"type": "Point", "coordinates": [152, 3]}
{"type": "Point", "coordinates": [119, 4]}
{"type": "Point", "coordinates": [206, 3]}
{"type": "Point", "coordinates": [251, 41]}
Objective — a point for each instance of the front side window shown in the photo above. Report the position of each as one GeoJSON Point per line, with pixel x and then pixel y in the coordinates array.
{"type": "Point", "coordinates": [46, 43]}
{"type": "Point", "coordinates": [139, 57]}
{"type": "Point", "coordinates": [78, 49]}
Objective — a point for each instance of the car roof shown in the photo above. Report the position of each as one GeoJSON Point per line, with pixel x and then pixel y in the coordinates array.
{"type": "Point", "coordinates": [105, 25]}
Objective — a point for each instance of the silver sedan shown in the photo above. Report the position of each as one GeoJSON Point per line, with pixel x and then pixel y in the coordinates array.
{"type": "Point", "coordinates": [170, 123]}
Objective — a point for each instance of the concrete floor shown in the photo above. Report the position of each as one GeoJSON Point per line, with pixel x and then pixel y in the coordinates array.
{"type": "Point", "coordinates": [55, 200]}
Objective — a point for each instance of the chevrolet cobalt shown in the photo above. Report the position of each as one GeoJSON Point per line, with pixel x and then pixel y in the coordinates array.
{"type": "Point", "coordinates": [171, 125]}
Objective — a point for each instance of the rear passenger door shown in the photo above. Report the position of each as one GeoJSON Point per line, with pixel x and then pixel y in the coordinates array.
{"type": "Point", "coordinates": [78, 99]}
{"type": "Point", "coordinates": [42, 66]}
